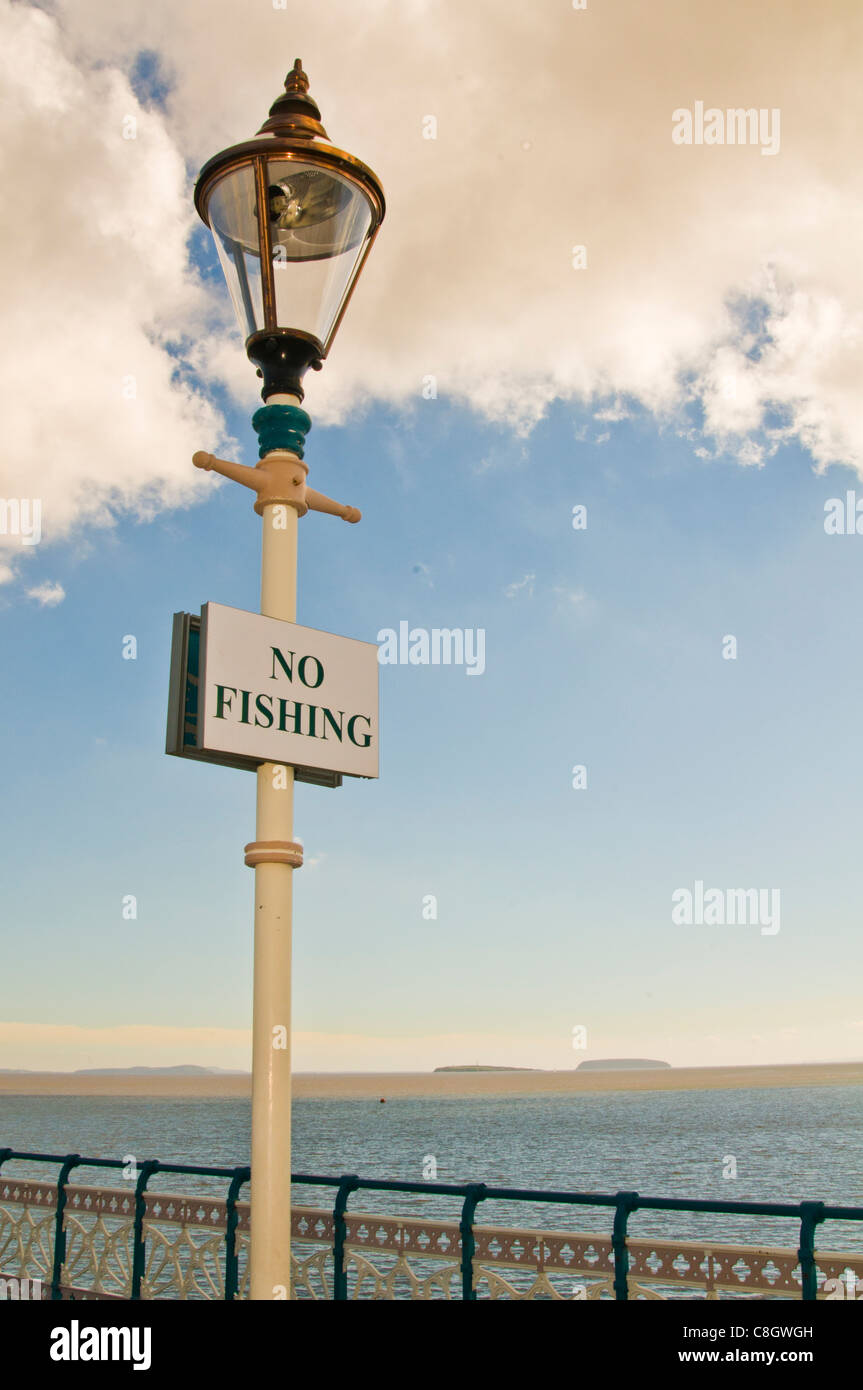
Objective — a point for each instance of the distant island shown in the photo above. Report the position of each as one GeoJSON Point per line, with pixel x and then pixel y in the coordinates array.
{"type": "Point", "coordinates": [621, 1064]}
{"type": "Point", "coordinates": [602, 1076]}
{"type": "Point", "coordinates": [476, 1067]}
{"type": "Point", "coordinates": [187, 1070]}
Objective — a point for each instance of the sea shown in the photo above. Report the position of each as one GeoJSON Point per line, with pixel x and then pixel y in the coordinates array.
{"type": "Point", "coordinates": [772, 1145]}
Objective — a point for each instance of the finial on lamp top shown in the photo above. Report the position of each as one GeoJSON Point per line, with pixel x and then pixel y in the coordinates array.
{"type": "Point", "coordinates": [295, 114]}
{"type": "Point", "coordinates": [296, 80]}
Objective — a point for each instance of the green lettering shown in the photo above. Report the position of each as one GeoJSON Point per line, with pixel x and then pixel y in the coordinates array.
{"type": "Point", "coordinates": [221, 702]}
{"type": "Point", "coordinates": [277, 657]}
{"type": "Point", "coordinates": [301, 672]}
{"type": "Point", "coordinates": [329, 718]}
{"type": "Point", "coordinates": [267, 712]}
{"type": "Point", "coordinates": [365, 739]}
{"type": "Point", "coordinates": [297, 716]}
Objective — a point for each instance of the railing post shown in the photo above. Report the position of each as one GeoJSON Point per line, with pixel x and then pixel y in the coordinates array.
{"type": "Point", "coordinates": [810, 1215]}
{"type": "Point", "coordinates": [241, 1176]}
{"type": "Point", "coordinates": [348, 1184]}
{"type": "Point", "coordinates": [474, 1194]}
{"type": "Point", "coordinates": [70, 1161]}
{"type": "Point", "coordinates": [626, 1202]}
{"type": "Point", "coordinates": [146, 1172]}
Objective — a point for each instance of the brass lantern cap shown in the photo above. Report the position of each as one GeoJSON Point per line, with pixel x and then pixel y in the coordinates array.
{"type": "Point", "coordinates": [295, 115]}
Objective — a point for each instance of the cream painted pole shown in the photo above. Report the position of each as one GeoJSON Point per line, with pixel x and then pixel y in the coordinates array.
{"type": "Point", "coordinates": [282, 498]}
{"type": "Point", "coordinates": [271, 1018]}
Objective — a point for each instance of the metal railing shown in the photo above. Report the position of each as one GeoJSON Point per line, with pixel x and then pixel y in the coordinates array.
{"type": "Point", "coordinates": [126, 1229]}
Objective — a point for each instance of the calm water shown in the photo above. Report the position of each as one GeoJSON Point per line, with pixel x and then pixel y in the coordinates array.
{"type": "Point", "coordinates": [803, 1142]}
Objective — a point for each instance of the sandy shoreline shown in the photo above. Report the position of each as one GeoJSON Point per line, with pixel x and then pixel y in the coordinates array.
{"type": "Point", "coordinates": [390, 1085]}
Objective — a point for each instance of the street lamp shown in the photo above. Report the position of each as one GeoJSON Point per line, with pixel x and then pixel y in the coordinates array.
{"type": "Point", "coordinates": [293, 219]}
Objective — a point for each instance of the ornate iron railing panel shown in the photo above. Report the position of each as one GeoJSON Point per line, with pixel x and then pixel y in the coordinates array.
{"type": "Point", "coordinates": [134, 1243]}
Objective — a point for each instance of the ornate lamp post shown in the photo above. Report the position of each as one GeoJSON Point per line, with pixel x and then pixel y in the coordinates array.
{"type": "Point", "coordinates": [293, 219]}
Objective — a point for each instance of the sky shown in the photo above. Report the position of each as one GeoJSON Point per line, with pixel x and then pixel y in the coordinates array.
{"type": "Point", "coordinates": [568, 307]}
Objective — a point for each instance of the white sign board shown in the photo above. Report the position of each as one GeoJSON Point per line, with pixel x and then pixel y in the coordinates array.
{"type": "Point", "coordinates": [281, 693]}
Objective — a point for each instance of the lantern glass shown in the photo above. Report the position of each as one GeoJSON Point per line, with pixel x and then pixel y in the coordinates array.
{"type": "Point", "coordinates": [319, 222]}
{"type": "Point", "coordinates": [235, 231]}
{"type": "Point", "coordinates": [319, 226]}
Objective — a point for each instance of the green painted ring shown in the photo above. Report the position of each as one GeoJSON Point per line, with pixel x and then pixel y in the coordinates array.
{"type": "Point", "coordinates": [281, 427]}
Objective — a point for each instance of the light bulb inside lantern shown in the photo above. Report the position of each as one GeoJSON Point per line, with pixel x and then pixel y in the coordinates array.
{"type": "Point", "coordinates": [306, 199]}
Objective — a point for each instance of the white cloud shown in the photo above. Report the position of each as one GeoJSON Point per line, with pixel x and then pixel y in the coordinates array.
{"type": "Point", "coordinates": [526, 583]}
{"type": "Point", "coordinates": [48, 594]}
{"type": "Point", "coordinates": [96, 294]}
{"type": "Point", "coordinates": [553, 129]}
{"type": "Point", "coordinates": [571, 597]}
{"type": "Point", "coordinates": [613, 413]}
{"type": "Point", "coordinates": [575, 605]}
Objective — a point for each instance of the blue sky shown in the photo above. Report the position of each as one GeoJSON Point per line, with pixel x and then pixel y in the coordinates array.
{"type": "Point", "coordinates": [553, 903]}
{"type": "Point", "coordinates": [694, 384]}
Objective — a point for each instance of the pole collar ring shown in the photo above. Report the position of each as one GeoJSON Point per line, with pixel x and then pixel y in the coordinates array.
{"type": "Point", "coordinates": [274, 852]}
{"type": "Point", "coordinates": [274, 500]}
